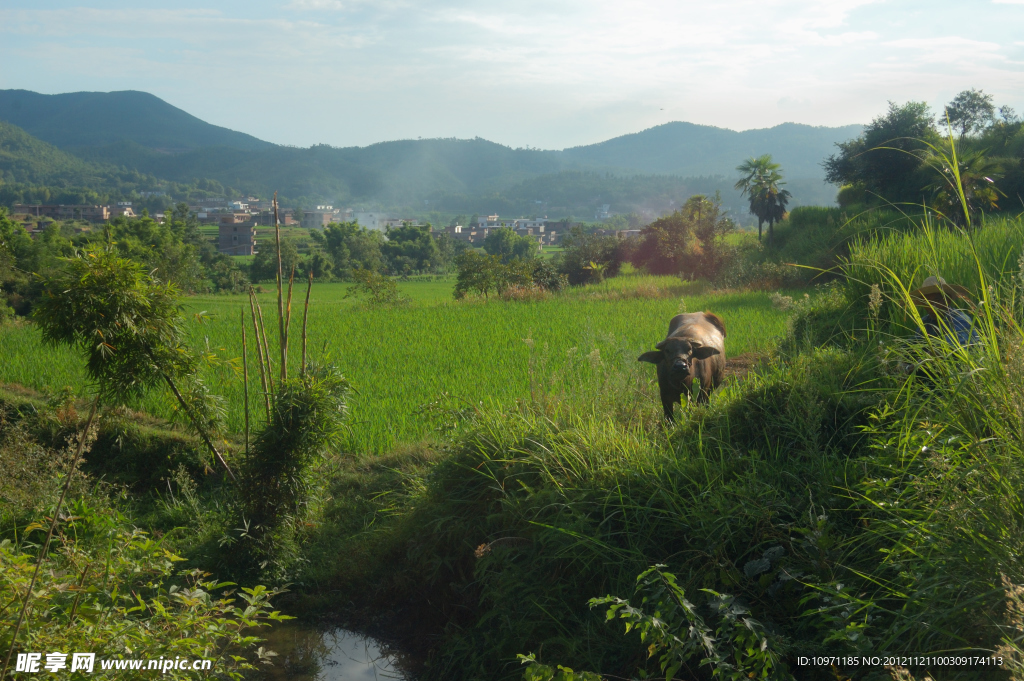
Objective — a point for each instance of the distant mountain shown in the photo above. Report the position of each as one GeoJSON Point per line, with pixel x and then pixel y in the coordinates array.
{"type": "Point", "coordinates": [140, 132]}
{"type": "Point", "coordinates": [392, 172]}
{"type": "Point", "coordinates": [31, 169]}
{"type": "Point", "coordinates": [688, 149]}
{"type": "Point", "coordinates": [91, 119]}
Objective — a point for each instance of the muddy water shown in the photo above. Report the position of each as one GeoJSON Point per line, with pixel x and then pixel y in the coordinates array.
{"type": "Point", "coordinates": [308, 653]}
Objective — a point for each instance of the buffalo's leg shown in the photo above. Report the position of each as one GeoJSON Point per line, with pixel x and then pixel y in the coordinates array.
{"type": "Point", "coordinates": [668, 402]}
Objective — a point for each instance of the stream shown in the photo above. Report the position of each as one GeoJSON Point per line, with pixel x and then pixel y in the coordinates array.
{"type": "Point", "coordinates": [309, 653]}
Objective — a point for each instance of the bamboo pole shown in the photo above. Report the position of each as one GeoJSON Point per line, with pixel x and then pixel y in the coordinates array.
{"type": "Point", "coordinates": [305, 317]}
{"type": "Point", "coordinates": [259, 347]}
{"type": "Point", "coordinates": [280, 297]}
{"type": "Point", "coordinates": [245, 382]}
{"type": "Point", "coordinates": [288, 320]}
{"type": "Point", "coordinates": [266, 348]}
{"type": "Point", "coordinates": [199, 428]}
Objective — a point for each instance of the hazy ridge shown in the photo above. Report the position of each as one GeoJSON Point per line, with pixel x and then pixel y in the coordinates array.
{"type": "Point", "coordinates": [135, 131]}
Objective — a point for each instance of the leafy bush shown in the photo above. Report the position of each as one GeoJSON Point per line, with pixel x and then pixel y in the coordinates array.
{"type": "Point", "coordinates": [379, 288]}
{"type": "Point", "coordinates": [675, 631]}
{"type": "Point", "coordinates": [508, 245]}
{"type": "Point", "coordinates": [308, 415]}
{"type": "Point", "coordinates": [117, 598]}
{"type": "Point", "coordinates": [481, 274]}
{"type": "Point", "coordinates": [580, 249]}
{"type": "Point", "coordinates": [688, 242]}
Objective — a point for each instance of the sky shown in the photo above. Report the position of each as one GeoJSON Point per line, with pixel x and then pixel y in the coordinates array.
{"type": "Point", "coordinates": [546, 74]}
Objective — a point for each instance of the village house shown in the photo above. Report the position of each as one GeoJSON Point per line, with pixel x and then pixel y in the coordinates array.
{"type": "Point", "coordinates": [236, 234]}
{"type": "Point", "coordinates": [321, 216]}
{"type": "Point", "coordinates": [371, 220]}
{"type": "Point", "coordinates": [535, 228]}
{"type": "Point", "coordinates": [123, 209]}
{"type": "Point", "coordinates": [62, 212]}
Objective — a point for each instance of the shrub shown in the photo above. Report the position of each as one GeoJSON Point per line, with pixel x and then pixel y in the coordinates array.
{"type": "Point", "coordinates": [307, 420]}
{"type": "Point", "coordinates": [117, 600]}
{"type": "Point", "coordinates": [380, 288]}
{"type": "Point", "coordinates": [482, 274]}
{"type": "Point", "coordinates": [688, 242]}
{"type": "Point", "coordinates": [508, 245]}
{"type": "Point", "coordinates": [518, 292]}
{"type": "Point", "coordinates": [580, 249]}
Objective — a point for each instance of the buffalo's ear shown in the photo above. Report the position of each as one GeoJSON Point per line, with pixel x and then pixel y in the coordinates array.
{"type": "Point", "coordinates": [704, 351]}
{"type": "Point", "coordinates": [654, 357]}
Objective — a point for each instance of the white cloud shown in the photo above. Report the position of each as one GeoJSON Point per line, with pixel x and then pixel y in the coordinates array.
{"type": "Point", "coordinates": [540, 72]}
{"type": "Point", "coordinates": [315, 4]}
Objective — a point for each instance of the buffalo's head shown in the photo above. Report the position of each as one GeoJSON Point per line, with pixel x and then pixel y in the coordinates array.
{"type": "Point", "coordinates": [677, 355]}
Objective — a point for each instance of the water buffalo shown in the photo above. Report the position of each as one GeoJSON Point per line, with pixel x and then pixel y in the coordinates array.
{"type": "Point", "coordinates": [693, 349]}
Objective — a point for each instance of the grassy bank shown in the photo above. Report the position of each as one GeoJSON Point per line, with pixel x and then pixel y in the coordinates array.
{"type": "Point", "coordinates": [849, 506]}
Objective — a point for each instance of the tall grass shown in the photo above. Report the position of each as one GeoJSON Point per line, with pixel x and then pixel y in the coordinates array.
{"type": "Point", "coordinates": [961, 257]}
{"type": "Point", "coordinates": [817, 235]}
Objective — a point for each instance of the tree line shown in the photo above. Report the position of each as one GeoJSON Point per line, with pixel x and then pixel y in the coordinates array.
{"type": "Point", "coordinates": [174, 251]}
{"type": "Point", "coordinates": [905, 156]}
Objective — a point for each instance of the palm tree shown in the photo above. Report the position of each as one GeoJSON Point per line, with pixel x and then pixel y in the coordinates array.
{"type": "Point", "coordinates": [967, 190]}
{"type": "Point", "coordinates": [761, 183]}
{"type": "Point", "coordinates": [774, 199]}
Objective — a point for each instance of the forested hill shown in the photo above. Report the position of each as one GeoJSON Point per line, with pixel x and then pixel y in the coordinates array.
{"type": "Point", "coordinates": [32, 170]}
{"type": "Point", "coordinates": [688, 149]}
{"type": "Point", "coordinates": [91, 119]}
{"type": "Point", "coordinates": [140, 133]}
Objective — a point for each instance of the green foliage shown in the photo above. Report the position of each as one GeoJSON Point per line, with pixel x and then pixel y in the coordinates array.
{"type": "Point", "coordinates": [380, 288]}
{"type": "Point", "coordinates": [351, 247]}
{"type": "Point", "coordinates": [762, 184]}
{"type": "Point", "coordinates": [116, 596]}
{"type": "Point", "coordinates": [508, 245]}
{"type": "Point", "coordinates": [897, 157]}
{"type": "Point", "coordinates": [307, 420]}
{"type": "Point", "coordinates": [478, 273]}
{"type": "Point", "coordinates": [886, 158]}
{"type": "Point", "coordinates": [128, 325]}
{"type": "Point", "coordinates": [409, 249]}
{"type": "Point", "coordinates": [688, 243]}
{"type": "Point", "coordinates": [174, 252]}
{"type": "Point", "coordinates": [580, 249]}
{"type": "Point", "coordinates": [966, 184]}
{"type": "Point", "coordinates": [481, 274]}
{"type": "Point", "coordinates": [535, 671]}
{"type": "Point", "coordinates": [675, 632]}
{"type": "Point", "coordinates": [264, 265]}
{"type": "Point", "coordinates": [970, 111]}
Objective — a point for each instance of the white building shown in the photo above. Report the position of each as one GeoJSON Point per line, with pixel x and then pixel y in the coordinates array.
{"type": "Point", "coordinates": [371, 220]}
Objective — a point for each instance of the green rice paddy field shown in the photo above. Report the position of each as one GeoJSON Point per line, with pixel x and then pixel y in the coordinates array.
{"type": "Point", "coordinates": [401, 359]}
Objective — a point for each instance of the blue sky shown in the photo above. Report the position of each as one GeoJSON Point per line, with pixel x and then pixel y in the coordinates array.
{"type": "Point", "coordinates": [539, 73]}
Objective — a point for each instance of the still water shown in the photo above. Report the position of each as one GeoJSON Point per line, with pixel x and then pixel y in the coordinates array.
{"type": "Point", "coordinates": [307, 653]}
